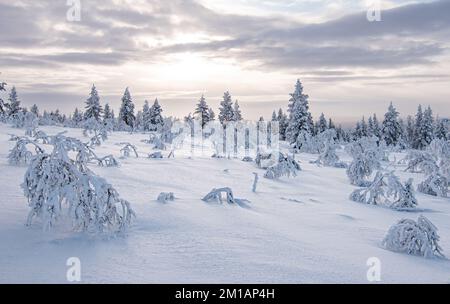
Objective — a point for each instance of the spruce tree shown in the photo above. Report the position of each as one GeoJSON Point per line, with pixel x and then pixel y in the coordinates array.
{"type": "Point", "coordinates": [428, 126]}
{"type": "Point", "coordinates": [14, 102]}
{"type": "Point", "coordinates": [237, 115]}
{"type": "Point", "coordinates": [392, 131]}
{"type": "Point", "coordinates": [126, 114]}
{"type": "Point", "coordinates": [93, 107]}
{"type": "Point", "coordinates": [35, 110]}
{"type": "Point", "coordinates": [156, 119]}
{"type": "Point", "coordinates": [322, 124]}
{"type": "Point", "coordinates": [202, 111]}
{"type": "Point", "coordinates": [300, 120]}
{"type": "Point", "coordinates": [226, 112]}
{"type": "Point", "coordinates": [107, 112]}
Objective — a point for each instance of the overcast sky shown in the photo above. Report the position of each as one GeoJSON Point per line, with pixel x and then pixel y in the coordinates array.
{"type": "Point", "coordinates": [177, 50]}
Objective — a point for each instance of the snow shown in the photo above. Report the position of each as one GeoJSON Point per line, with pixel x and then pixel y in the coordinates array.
{"type": "Point", "coordinates": [296, 230]}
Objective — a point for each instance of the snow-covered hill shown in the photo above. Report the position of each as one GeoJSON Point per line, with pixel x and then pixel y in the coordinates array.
{"type": "Point", "coordinates": [298, 230]}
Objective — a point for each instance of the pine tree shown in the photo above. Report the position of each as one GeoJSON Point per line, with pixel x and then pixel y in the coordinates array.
{"type": "Point", "coordinates": [93, 107]}
{"type": "Point", "coordinates": [376, 126]}
{"type": "Point", "coordinates": [202, 111]}
{"type": "Point", "coordinates": [226, 112]}
{"type": "Point", "coordinates": [322, 124]}
{"type": "Point", "coordinates": [299, 117]}
{"type": "Point", "coordinates": [364, 128]}
{"type": "Point", "coordinates": [392, 131]}
{"type": "Point", "coordinates": [331, 124]}
{"type": "Point", "coordinates": [126, 114]}
{"type": "Point", "coordinates": [14, 102]}
{"type": "Point", "coordinates": [237, 115]}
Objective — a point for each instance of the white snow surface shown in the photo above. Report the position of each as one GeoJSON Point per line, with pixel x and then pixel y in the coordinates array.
{"type": "Point", "coordinates": [299, 230]}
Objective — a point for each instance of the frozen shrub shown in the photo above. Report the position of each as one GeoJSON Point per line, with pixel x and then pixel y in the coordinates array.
{"type": "Point", "coordinates": [415, 238]}
{"type": "Point", "coordinates": [387, 190]}
{"type": "Point", "coordinates": [328, 156]}
{"type": "Point", "coordinates": [216, 195]}
{"type": "Point", "coordinates": [55, 181]}
{"type": "Point", "coordinates": [435, 184]}
{"type": "Point", "coordinates": [128, 149]}
{"type": "Point", "coordinates": [164, 197]}
{"type": "Point", "coordinates": [155, 155]}
{"type": "Point", "coordinates": [247, 159]}
{"type": "Point", "coordinates": [107, 161]}
{"type": "Point", "coordinates": [421, 161]}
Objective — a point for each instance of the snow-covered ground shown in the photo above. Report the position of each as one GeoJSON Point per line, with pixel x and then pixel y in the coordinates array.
{"type": "Point", "coordinates": [298, 230]}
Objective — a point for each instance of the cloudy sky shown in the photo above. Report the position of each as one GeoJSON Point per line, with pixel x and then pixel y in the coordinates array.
{"type": "Point", "coordinates": [177, 50]}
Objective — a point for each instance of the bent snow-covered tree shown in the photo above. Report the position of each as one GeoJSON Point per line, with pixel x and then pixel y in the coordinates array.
{"type": "Point", "coordinates": [55, 181]}
{"type": "Point", "coordinates": [366, 158]}
{"type": "Point", "coordinates": [415, 238]}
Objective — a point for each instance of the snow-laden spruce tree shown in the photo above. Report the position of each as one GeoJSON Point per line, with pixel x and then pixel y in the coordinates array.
{"type": "Point", "coordinates": [300, 119]}
{"type": "Point", "coordinates": [435, 184]}
{"type": "Point", "coordinates": [307, 143]}
{"type": "Point", "coordinates": [108, 118]}
{"type": "Point", "coordinates": [126, 114]}
{"type": "Point", "coordinates": [93, 108]}
{"type": "Point", "coordinates": [392, 130]}
{"type": "Point", "coordinates": [156, 120]}
{"type": "Point", "coordinates": [96, 129]}
{"type": "Point", "coordinates": [57, 184]}
{"type": "Point", "coordinates": [328, 156]}
{"type": "Point", "coordinates": [237, 114]}
{"type": "Point", "coordinates": [414, 238]}
{"type": "Point", "coordinates": [366, 158]}
{"type": "Point", "coordinates": [226, 111]}
{"type": "Point", "coordinates": [407, 199]}
{"type": "Point", "coordinates": [202, 111]}
{"type": "Point", "coordinates": [3, 105]}
{"type": "Point", "coordinates": [14, 103]}
{"type": "Point", "coordinates": [286, 166]}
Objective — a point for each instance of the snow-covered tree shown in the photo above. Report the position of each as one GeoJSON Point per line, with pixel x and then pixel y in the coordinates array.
{"type": "Point", "coordinates": [427, 129]}
{"type": "Point", "coordinates": [414, 238]}
{"type": "Point", "coordinates": [202, 111]}
{"type": "Point", "coordinates": [96, 130]}
{"type": "Point", "coordinates": [237, 115]}
{"type": "Point", "coordinates": [226, 112]}
{"type": "Point", "coordinates": [366, 158]}
{"type": "Point", "coordinates": [392, 131]}
{"type": "Point", "coordinates": [126, 114]}
{"type": "Point", "coordinates": [35, 110]}
{"type": "Point", "coordinates": [283, 123]}
{"type": "Point", "coordinates": [286, 166]}
{"type": "Point", "coordinates": [407, 199]}
{"type": "Point", "coordinates": [328, 156]}
{"type": "Point", "coordinates": [93, 107]}
{"type": "Point", "coordinates": [14, 102]}
{"type": "Point", "coordinates": [56, 180]}
{"type": "Point", "coordinates": [156, 119]}
{"type": "Point", "coordinates": [77, 117]}
{"type": "Point", "coordinates": [300, 118]}
{"type": "Point", "coordinates": [215, 195]}
{"type": "Point", "coordinates": [322, 124]}
{"type": "Point", "coordinates": [421, 161]}
{"type": "Point", "coordinates": [442, 130]}
{"type": "Point", "coordinates": [435, 184]}
{"type": "Point", "coordinates": [108, 117]}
